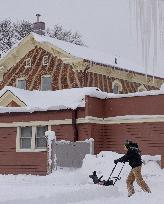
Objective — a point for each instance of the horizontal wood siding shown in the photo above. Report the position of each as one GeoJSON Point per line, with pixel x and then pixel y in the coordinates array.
{"type": "Point", "coordinates": [12, 162]}
{"type": "Point", "coordinates": [84, 131]}
{"type": "Point", "coordinates": [35, 116]}
{"type": "Point", "coordinates": [87, 131]}
{"type": "Point", "coordinates": [94, 107]}
{"type": "Point", "coordinates": [63, 132]}
{"type": "Point", "coordinates": [149, 136]}
{"type": "Point", "coordinates": [141, 105]}
{"type": "Point", "coordinates": [97, 134]}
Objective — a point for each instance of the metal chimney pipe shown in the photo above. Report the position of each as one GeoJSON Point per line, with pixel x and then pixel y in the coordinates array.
{"type": "Point", "coordinates": [38, 16]}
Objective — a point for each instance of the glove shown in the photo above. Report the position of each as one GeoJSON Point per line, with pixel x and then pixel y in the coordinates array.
{"type": "Point", "coordinates": [116, 161]}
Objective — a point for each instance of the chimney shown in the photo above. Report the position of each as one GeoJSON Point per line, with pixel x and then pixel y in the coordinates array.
{"type": "Point", "coordinates": [39, 26]}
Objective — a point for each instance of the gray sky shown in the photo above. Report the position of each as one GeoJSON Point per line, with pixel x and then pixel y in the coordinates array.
{"type": "Point", "coordinates": [103, 24]}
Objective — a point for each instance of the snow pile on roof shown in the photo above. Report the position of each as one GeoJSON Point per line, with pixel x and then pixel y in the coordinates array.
{"type": "Point", "coordinates": [143, 93]}
{"type": "Point", "coordinates": [162, 87]}
{"type": "Point", "coordinates": [51, 100]}
{"type": "Point", "coordinates": [89, 54]}
{"type": "Point", "coordinates": [62, 99]}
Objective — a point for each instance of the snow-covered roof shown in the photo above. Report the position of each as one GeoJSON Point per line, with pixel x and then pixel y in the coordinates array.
{"type": "Point", "coordinates": [84, 53]}
{"type": "Point", "coordinates": [90, 54]}
{"type": "Point", "coordinates": [50, 100]}
{"type": "Point", "coordinates": [61, 99]}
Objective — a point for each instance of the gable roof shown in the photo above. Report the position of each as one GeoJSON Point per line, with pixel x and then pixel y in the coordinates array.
{"type": "Point", "coordinates": [7, 98]}
{"type": "Point", "coordinates": [68, 52]}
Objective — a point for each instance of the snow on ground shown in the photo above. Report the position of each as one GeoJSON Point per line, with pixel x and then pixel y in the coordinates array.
{"type": "Point", "coordinates": [67, 186]}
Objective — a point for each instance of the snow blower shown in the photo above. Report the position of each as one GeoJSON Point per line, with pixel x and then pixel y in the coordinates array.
{"type": "Point", "coordinates": [110, 181]}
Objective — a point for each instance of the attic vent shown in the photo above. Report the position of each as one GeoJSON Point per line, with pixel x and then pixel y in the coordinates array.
{"type": "Point", "coordinates": [28, 63]}
{"type": "Point", "coordinates": [45, 60]}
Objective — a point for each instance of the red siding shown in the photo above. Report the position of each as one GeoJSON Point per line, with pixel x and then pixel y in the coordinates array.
{"type": "Point", "coordinates": [149, 136]}
{"type": "Point", "coordinates": [63, 132]}
{"type": "Point", "coordinates": [94, 107]}
{"type": "Point", "coordinates": [141, 105]}
{"type": "Point", "coordinates": [12, 162]}
{"type": "Point", "coordinates": [35, 116]}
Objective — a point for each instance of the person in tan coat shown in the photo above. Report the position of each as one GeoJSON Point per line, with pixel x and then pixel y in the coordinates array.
{"type": "Point", "coordinates": [133, 156]}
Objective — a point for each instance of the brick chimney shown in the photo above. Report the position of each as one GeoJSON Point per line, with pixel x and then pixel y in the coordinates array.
{"type": "Point", "coordinates": [39, 26]}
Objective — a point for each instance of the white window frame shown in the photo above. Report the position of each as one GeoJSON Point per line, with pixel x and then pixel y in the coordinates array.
{"type": "Point", "coordinates": [45, 61]}
{"type": "Point", "coordinates": [117, 83]}
{"type": "Point", "coordinates": [32, 149]}
{"type": "Point", "coordinates": [20, 79]}
{"type": "Point", "coordinates": [28, 63]}
{"type": "Point", "coordinates": [45, 76]}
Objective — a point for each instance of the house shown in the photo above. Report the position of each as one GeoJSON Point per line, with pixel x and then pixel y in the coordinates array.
{"type": "Point", "coordinates": [43, 63]}
{"type": "Point", "coordinates": [75, 114]}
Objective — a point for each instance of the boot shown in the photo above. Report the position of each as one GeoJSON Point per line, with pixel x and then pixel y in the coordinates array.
{"type": "Point", "coordinates": [131, 192]}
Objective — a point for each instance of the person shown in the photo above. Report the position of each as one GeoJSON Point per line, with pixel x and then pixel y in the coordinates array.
{"type": "Point", "coordinates": [133, 156]}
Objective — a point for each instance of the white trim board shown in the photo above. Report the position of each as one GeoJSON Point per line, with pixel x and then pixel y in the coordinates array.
{"type": "Point", "coordinates": [90, 119]}
{"type": "Point", "coordinates": [36, 123]}
{"type": "Point", "coordinates": [122, 119]}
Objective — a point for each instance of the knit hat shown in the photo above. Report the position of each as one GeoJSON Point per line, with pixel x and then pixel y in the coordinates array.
{"type": "Point", "coordinates": [129, 144]}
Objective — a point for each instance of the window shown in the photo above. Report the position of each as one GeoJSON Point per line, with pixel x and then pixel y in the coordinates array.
{"type": "Point", "coordinates": [25, 137]}
{"type": "Point", "coordinates": [116, 87]}
{"type": "Point", "coordinates": [28, 63]}
{"type": "Point", "coordinates": [46, 83]}
{"type": "Point", "coordinates": [45, 60]}
{"type": "Point", "coordinates": [32, 138]}
{"type": "Point", "coordinates": [21, 83]}
{"type": "Point", "coordinates": [40, 140]}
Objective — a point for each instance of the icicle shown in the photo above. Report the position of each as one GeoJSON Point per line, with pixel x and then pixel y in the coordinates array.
{"type": "Point", "coordinates": [161, 22]}
{"type": "Point", "coordinates": [149, 15]}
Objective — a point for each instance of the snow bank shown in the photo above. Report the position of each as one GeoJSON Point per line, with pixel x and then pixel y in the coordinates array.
{"type": "Point", "coordinates": [70, 186]}
{"type": "Point", "coordinates": [103, 163]}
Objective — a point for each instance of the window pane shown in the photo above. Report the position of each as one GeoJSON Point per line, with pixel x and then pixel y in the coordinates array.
{"type": "Point", "coordinates": [25, 143]}
{"type": "Point", "coordinates": [115, 89]}
{"type": "Point", "coordinates": [41, 131]}
{"type": "Point", "coordinates": [40, 140]}
{"type": "Point", "coordinates": [21, 84]}
{"type": "Point", "coordinates": [25, 137]}
{"type": "Point", "coordinates": [46, 83]}
{"type": "Point", "coordinates": [26, 132]}
{"type": "Point", "coordinates": [40, 143]}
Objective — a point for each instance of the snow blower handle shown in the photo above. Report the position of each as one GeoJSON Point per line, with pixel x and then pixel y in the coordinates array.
{"type": "Point", "coordinates": [118, 178]}
{"type": "Point", "coordinates": [112, 170]}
